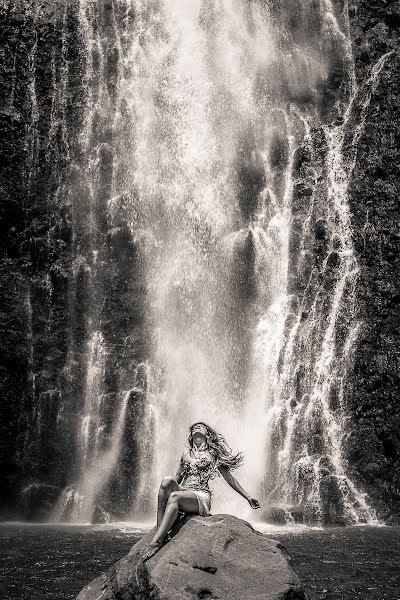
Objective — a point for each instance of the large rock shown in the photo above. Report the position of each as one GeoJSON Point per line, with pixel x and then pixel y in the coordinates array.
{"type": "Point", "coordinates": [218, 557]}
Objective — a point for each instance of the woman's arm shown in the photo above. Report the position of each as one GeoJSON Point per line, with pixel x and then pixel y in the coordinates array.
{"type": "Point", "coordinates": [179, 474]}
{"type": "Point", "coordinates": [229, 478]}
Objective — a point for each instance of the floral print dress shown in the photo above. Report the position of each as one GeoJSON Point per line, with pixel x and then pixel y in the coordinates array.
{"type": "Point", "coordinates": [197, 467]}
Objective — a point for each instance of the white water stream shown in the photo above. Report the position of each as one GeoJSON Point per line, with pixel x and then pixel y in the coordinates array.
{"type": "Point", "coordinates": [214, 101]}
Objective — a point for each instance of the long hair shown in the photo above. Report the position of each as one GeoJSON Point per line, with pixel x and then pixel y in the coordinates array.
{"type": "Point", "coordinates": [219, 447]}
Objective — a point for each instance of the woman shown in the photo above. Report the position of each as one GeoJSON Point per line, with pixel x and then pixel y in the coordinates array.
{"type": "Point", "coordinates": [206, 457]}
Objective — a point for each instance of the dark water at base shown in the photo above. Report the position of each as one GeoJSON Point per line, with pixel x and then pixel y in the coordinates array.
{"type": "Point", "coordinates": [346, 564]}
{"type": "Point", "coordinates": [54, 563]}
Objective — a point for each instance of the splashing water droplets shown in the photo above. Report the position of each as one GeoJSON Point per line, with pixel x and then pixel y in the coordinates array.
{"type": "Point", "coordinates": [224, 146]}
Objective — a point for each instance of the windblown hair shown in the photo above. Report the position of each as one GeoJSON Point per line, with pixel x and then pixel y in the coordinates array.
{"type": "Point", "coordinates": [219, 447]}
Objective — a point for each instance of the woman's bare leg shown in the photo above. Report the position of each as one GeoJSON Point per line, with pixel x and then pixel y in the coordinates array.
{"type": "Point", "coordinates": [168, 485]}
{"type": "Point", "coordinates": [185, 501]}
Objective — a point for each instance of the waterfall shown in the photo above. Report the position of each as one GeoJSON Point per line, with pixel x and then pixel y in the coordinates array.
{"type": "Point", "coordinates": [79, 503]}
{"type": "Point", "coordinates": [211, 189]}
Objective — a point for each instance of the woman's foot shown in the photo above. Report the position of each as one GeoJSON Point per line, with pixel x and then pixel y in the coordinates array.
{"type": "Point", "coordinates": [151, 549]}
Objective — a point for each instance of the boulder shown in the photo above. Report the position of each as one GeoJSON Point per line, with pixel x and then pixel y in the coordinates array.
{"type": "Point", "coordinates": [219, 557]}
{"type": "Point", "coordinates": [276, 515]}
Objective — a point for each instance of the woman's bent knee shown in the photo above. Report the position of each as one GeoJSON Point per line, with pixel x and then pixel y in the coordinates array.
{"type": "Point", "coordinates": [168, 482]}
{"type": "Point", "coordinates": [174, 497]}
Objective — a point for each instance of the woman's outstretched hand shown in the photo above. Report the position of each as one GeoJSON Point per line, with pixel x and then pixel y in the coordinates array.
{"type": "Point", "coordinates": [253, 503]}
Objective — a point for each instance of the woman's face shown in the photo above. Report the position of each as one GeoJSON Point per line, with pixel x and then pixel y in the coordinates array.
{"type": "Point", "coordinates": [198, 438]}
{"type": "Point", "coordinates": [198, 434]}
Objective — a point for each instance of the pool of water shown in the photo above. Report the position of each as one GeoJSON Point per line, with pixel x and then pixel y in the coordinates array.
{"type": "Point", "coordinates": [355, 563]}
{"type": "Point", "coordinates": [54, 562]}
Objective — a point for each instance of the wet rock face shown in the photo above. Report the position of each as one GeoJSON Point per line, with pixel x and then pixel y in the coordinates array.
{"type": "Point", "coordinates": [330, 512]}
{"type": "Point", "coordinates": [219, 557]}
{"type": "Point", "coordinates": [48, 247]}
{"type": "Point", "coordinates": [373, 445]}
{"type": "Point", "coordinates": [38, 130]}
{"type": "Point", "coordinates": [37, 500]}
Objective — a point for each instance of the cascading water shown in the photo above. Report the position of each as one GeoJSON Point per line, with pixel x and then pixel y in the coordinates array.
{"type": "Point", "coordinates": [102, 426]}
{"type": "Point", "coordinates": [214, 145]}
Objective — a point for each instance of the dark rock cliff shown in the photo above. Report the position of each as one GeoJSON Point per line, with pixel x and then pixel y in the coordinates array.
{"type": "Point", "coordinates": [38, 135]}
{"type": "Point", "coordinates": [50, 237]}
{"type": "Point", "coordinates": [373, 446]}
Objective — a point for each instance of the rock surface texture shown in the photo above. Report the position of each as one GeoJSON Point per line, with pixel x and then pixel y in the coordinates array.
{"type": "Point", "coordinates": [371, 397]}
{"type": "Point", "coordinates": [219, 557]}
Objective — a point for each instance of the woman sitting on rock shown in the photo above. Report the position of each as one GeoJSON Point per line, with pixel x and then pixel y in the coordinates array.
{"type": "Point", "coordinates": [207, 456]}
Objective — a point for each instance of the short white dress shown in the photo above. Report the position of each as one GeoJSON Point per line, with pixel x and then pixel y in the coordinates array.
{"type": "Point", "coordinates": [197, 467]}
